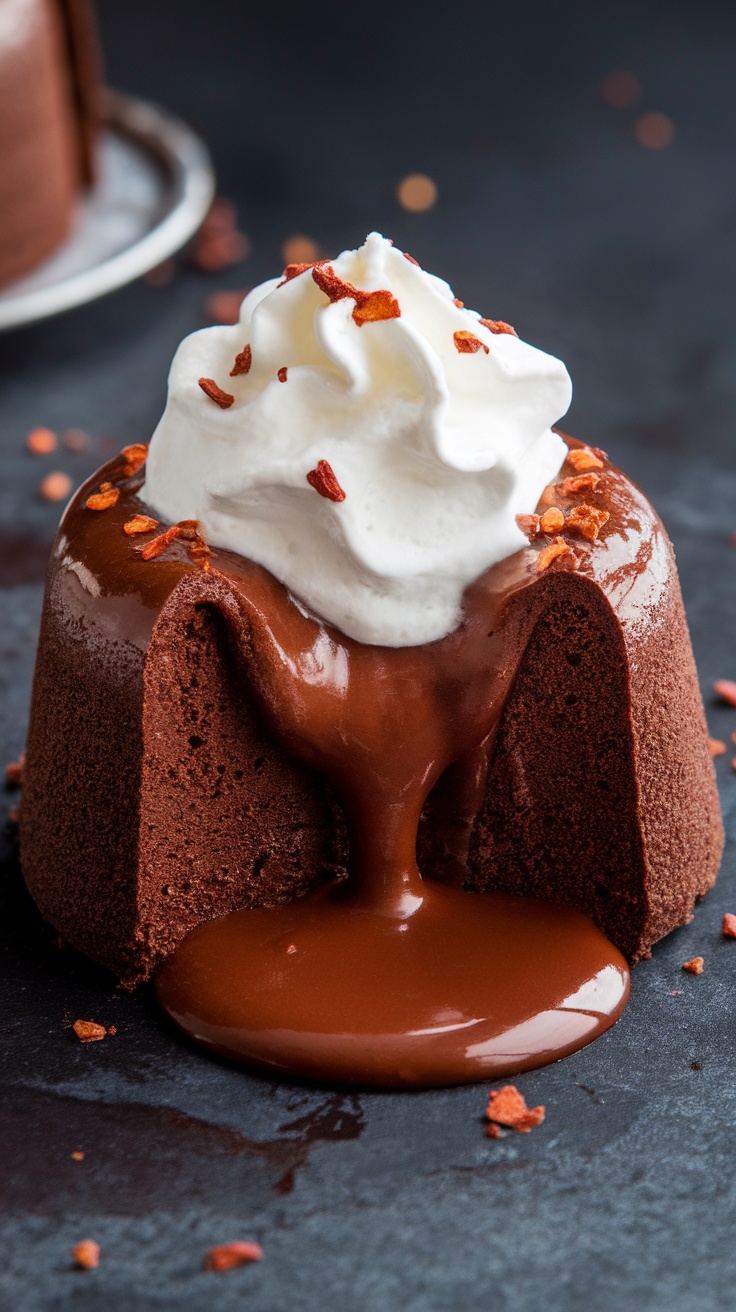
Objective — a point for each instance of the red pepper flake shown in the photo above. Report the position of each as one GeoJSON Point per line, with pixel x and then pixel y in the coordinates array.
{"type": "Point", "coordinates": [460, 304]}
{"type": "Point", "coordinates": [104, 499]}
{"type": "Point", "coordinates": [587, 521]}
{"type": "Point", "coordinates": [494, 1131]}
{"type": "Point", "coordinates": [77, 1156]}
{"type": "Point", "coordinates": [557, 548]}
{"type": "Point", "coordinates": [498, 326]}
{"type": "Point", "coordinates": [88, 1031]}
{"type": "Point", "coordinates": [294, 270]}
{"type": "Point", "coordinates": [227, 1256]}
{"type": "Point", "coordinates": [55, 486]}
{"type": "Point", "coordinates": [726, 690]}
{"type": "Point", "coordinates": [215, 393]}
{"type": "Point", "coordinates": [323, 480]}
{"type": "Point", "coordinates": [552, 520]}
{"type": "Point", "coordinates": [529, 525]}
{"type": "Point", "coordinates": [41, 441]}
{"type": "Point", "coordinates": [717, 748]}
{"type": "Point", "coordinates": [411, 260]}
{"type": "Point", "coordinates": [157, 545]}
{"type": "Point", "coordinates": [134, 456]}
{"type": "Point", "coordinates": [581, 483]}
{"type": "Point", "coordinates": [694, 966]}
{"type": "Point", "coordinates": [86, 1254]}
{"type": "Point", "coordinates": [467, 344]}
{"type": "Point", "coordinates": [281, 375]}
{"type": "Point", "coordinates": [370, 307]}
{"type": "Point", "coordinates": [243, 362]}
{"type": "Point", "coordinates": [14, 771]}
{"type": "Point", "coordinates": [728, 927]}
{"type": "Point", "coordinates": [582, 458]}
{"type": "Point", "coordinates": [506, 1106]}
{"type": "Point", "coordinates": [139, 524]}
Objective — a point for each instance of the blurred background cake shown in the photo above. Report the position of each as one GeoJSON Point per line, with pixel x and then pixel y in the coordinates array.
{"type": "Point", "coordinates": [50, 109]}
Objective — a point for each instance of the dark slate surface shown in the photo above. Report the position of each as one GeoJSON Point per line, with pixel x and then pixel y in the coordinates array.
{"type": "Point", "coordinates": [623, 261]}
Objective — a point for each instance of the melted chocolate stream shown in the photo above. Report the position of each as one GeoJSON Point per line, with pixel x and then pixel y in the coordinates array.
{"type": "Point", "coordinates": [385, 978]}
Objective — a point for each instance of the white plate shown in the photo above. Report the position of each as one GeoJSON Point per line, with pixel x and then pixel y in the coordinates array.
{"type": "Point", "coordinates": [155, 186]}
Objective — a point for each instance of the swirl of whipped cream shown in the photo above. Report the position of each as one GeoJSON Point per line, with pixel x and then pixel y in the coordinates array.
{"type": "Point", "coordinates": [364, 437]}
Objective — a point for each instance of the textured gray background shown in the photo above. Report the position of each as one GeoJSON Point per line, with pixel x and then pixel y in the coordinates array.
{"type": "Point", "coordinates": [623, 261]}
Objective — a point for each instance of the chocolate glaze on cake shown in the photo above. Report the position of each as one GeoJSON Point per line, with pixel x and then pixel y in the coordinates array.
{"type": "Point", "coordinates": [49, 116]}
{"type": "Point", "coordinates": [200, 744]}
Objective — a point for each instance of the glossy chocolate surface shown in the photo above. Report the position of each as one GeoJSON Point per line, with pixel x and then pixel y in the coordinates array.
{"type": "Point", "coordinates": [386, 978]}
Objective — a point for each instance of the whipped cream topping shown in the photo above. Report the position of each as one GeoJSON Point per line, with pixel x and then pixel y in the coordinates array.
{"type": "Point", "coordinates": [364, 437]}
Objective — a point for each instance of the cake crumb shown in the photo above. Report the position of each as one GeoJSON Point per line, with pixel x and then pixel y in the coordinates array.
{"type": "Point", "coordinates": [104, 499]}
{"type": "Point", "coordinates": [88, 1031]}
{"type": "Point", "coordinates": [139, 524]}
{"type": "Point", "coordinates": [587, 521]}
{"type": "Point", "coordinates": [467, 343]}
{"type": "Point", "coordinates": [227, 1256]}
{"type": "Point", "coordinates": [549, 553]}
{"type": "Point", "coordinates": [324, 481]}
{"type": "Point", "coordinates": [552, 520]}
{"type": "Point", "coordinates": [498, 326]}
{"type": "Point", "coordinates": [86, 1254]}
{"type": "Point", "coordinates": [728, 926]}
{"type": "Point", "coordinates": [717, 748]}
{"type": "Point", "coordinates": [41, 441]}
{"type": "Point", "coordinates": [215, 393]}
{"type": "Point", "coordinates": [582, 458]}
{"type": "Point", "coordinates": [55, 486]}
{"type": "Point", "coordinates": [14, 771]}
{"type": "Point", "coordinates": [506, 1106]}
{"type": "Point", "coordinates": [726, 690]}
{"type": "Point", "coordinates": [694, 966]}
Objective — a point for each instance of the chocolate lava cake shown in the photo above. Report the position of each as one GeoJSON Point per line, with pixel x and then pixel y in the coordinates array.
{"type": "Point", "coordinates": [50, 109]}
{"type": "Point", "coordinates": [158, 796]}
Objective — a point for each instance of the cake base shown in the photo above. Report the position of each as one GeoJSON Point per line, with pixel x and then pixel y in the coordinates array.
{"type": "Point", "coordinates": [459, 987]}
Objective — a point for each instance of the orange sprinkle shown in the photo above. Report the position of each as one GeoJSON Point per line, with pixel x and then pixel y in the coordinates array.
{"type": "Point", "coordinates": [41, 441]}
{"type": "Point", "coordinates": [583, 458]}
{"type": "Point", "coordinates": [506, 1106]}
{"type": "Point", "coordinates": [55, 486]}
{"type": "Point", "coordinates": [581, 483]}
{"type": "Point", "coordinates": [86, 1254]}
{"type": "Point", "coordinates": [227, 1256]}
{"type": "Point", "coordinates": [467, 344]}
{"type": "Point", "coordinates": [498, 326]}
{"type": "Point", "coordinates": [728, 926]}
{"type": "Point", "coordinates": [417, 192]}
{"type": "Point", "coordinates": [694, 966]}
{"type": "Point", "coordinates": [717, 748]}
{"type": "Point", "coordinates": [104, 499]}
{"type": "Point", "coordinates": [549, 553]}
{"type": "Point", "coordinates": [215, 393]}
{"type": "Point", "coordinates": [552, 520]}
{"type": "Point", "coordinates": [88, 1031]}
{"type": "Point", "coordinates": [587, 521]}
{"type": "Point", "coordinates": [324, 481]}
{"type": "Point", "coordinates": [726, 690]}
{"type": "Point", "coordinates": [243, 362]}
{"type": "Point", "coordinates": [157, 545]}
{"type": "Point", "coordinates": [134, 456]}
{"type": "Point", "coordinates": [139, 524]}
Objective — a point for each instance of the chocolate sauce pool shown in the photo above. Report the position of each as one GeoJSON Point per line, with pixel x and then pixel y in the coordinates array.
{"type": "Point", "coordinates": [385, 978]}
